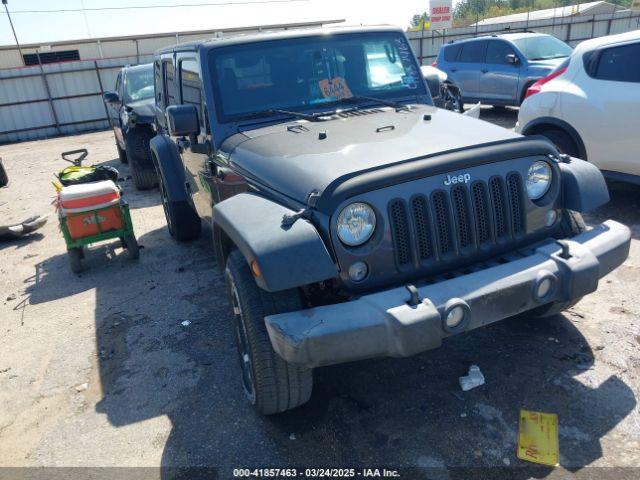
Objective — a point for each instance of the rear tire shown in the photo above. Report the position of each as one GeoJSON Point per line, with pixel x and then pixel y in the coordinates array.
{"type": "Point", "coordinates": [270, 383]}
{"type": "Point", "coordinates": [122, 155]}
{"type": "Point", "coordinates": [4, 178]}
{"type": "Point", "coordinates": [183, 222]}
{"type": "Point", "coordinates": [572, 225]}
{"type": "Point", "coordinates": [563, 142]}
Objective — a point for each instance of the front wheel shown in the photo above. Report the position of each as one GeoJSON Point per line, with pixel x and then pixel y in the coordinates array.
{"type": "Point", "coordinates": [270, 383]}
{"type": "Point", "coordinates": [452, 99]}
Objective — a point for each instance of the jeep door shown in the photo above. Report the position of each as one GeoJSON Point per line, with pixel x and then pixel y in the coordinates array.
{"type": "Point", "coordinates": [466, 70]}
{"type": "Point", "coordinates": [499, 76]}
{"type": "Point", "coordinates": [195, 158]}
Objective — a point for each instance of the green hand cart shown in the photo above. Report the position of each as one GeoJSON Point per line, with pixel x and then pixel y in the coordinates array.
{"type": "Point", "coordinates": [98, 222]}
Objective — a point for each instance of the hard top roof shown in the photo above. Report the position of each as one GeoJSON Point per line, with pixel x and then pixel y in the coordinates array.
{"type": "Point", "coordinates": [266, 36]}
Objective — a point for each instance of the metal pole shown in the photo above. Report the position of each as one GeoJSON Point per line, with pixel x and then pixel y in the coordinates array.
{"type": "Point", "coordinates": [106, 110]}
{"type": "Point", "coordinates": [4, 2]}
{"type": "Point", "coordinates": [48, 90]}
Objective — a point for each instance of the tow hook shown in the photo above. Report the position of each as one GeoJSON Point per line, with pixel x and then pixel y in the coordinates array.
{"type": "Point", "coordinates": [415, 299]}
{"type": "Point", "coordinates": [565, 253]}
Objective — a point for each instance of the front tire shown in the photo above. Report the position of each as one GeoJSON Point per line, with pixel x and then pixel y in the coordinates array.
{"type": "Point", "coordinates": [270, 383]}
{"type": "Point", "coordinates": [137, 149]}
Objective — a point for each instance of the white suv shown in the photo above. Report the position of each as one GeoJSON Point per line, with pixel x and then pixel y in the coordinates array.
{"type": "Point", "coordinates": [589, 107]}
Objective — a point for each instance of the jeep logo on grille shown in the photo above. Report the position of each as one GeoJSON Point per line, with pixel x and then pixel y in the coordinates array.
{"type": "Point", "coordinates": [462, 178]}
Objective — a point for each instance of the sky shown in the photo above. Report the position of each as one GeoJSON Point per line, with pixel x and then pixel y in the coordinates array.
{"type": "Point", "coordinates": [43, 27]}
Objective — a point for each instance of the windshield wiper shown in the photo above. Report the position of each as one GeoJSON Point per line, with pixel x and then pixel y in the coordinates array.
{"type": "Point", "coordinates": [388, 103]}
{"type": "Point", "coordinates": [270, 111]}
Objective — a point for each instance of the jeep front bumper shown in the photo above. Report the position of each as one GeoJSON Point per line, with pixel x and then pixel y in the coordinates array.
{"type": "Point", "coordinates": [388, 323]}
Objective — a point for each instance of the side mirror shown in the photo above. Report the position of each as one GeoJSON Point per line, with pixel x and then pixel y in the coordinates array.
{"type": "Point", "coordinates": [111, 97]}
{"type": "Point", "coordinates": [433, 82]}
{"type": "Point", "coordinates": [182, 120]}
{"type": "Point", "coordinates": [513, 59]}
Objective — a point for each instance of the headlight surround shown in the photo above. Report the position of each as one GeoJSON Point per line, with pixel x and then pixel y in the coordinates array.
{"type": "Point", "coordinates": [356, 223]}
{"type": "Point", "coordinates": [538, 179]}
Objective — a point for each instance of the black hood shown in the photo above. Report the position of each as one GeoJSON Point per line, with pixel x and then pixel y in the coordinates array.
{"type": "Point", "coordinates": [144, 109]}
{"type": "Point", "coordinates": [294, 158]}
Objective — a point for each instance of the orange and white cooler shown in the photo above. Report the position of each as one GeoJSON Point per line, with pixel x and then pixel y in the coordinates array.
{"type": "Point", "coordinates": [90, 208]}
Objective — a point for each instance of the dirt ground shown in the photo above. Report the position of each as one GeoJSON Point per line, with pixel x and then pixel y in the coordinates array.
{"type": "Point", "coordinates": [133, 363]}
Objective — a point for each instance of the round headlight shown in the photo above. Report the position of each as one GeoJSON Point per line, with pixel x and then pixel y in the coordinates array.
{"type": "Point", "coordinates": [356, 224]}
{"type": "Point", "coordinates": [538, 180]}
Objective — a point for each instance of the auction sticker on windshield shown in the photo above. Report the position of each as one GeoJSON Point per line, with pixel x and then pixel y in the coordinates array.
{"type": "Point", "coordinates": [335, 87]}
{"type": "Point", "coordinates": [538, 438]}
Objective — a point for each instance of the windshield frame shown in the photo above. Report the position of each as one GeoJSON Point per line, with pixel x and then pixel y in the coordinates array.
{"type": "Point", "coordinates": [138, 69]}
{"type": "Point", "coordinates": [418, 95]}
{"type": "Point", "coordinates": [520, 44]}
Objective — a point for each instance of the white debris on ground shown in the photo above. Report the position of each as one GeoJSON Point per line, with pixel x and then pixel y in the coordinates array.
{"type": "Point", "coordinates": [186, 323]}
{"type": "Point", "coordinates": [474, 379]}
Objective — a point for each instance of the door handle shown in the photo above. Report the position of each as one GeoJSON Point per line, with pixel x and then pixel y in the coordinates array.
{"type": "Point", "coordinates": [454, 69]}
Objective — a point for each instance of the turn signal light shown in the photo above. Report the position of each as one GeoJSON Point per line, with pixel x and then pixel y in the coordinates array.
{"type": "Point", "coordinates": [537, 87]}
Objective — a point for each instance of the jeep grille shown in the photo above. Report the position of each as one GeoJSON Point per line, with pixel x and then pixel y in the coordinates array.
{"type": "Point", "coordinates": [457, 222]}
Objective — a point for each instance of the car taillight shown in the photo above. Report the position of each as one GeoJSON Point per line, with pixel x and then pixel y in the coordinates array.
{"type": "Point", "coordinates": [434, 64]}
{"type": "Point", "coordinates": [536, 87]}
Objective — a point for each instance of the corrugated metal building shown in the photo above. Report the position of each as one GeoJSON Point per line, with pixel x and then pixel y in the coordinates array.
{"type": "Point", "coordinates": [579, 10]}
{"type": "Point", "coordinates": [60, 90]}
{"type": "Point", "coordinates": [130, 46]}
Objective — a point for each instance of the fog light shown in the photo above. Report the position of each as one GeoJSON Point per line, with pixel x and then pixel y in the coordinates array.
{"type": "Point", "coordinates": [455, 316]}
{"type": "Point", "coordinates": [544, 287]}
{"type": "Point", "coordinates": [358, 271]}
{"type": "Point", "coordinates": [551, 217]}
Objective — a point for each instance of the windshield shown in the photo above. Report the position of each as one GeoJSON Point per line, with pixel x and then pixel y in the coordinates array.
{"type": "Point", "coordinates": [306, 73]}
{"type": "Point", "coordinates": [139, 83]}
{"type": "Point", "coordinates": [543, 47]}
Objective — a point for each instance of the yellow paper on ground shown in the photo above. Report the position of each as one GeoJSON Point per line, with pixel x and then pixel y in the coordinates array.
{"type": "Point", "coordinates": [538, 438]}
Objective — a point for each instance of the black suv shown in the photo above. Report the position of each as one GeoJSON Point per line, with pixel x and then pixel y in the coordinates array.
{"type": "Point", "coordinates": [131, 115]}
{"type": "Point", "coordinates": [352, 218]}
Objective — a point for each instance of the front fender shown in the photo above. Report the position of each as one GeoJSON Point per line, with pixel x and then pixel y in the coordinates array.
{"type": "Point", "coordinates": [167, 161]}
{"type": "Point", "coordinates": [287, 257]}
{"type": "Point", "coordinates": [583, 185]}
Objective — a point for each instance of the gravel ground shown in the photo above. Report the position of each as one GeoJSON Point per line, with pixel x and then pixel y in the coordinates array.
{"type": "Point", "coordinates": [134, 363]}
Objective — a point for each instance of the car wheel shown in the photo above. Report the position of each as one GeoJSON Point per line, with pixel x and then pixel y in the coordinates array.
{"type": "Point", "coordinates": [270, 383]}
{"type": "Point", "coordinates": [183, 222]}
{"type": "Point", "coordinates": [572, 225]}
{"type": "Point", "coordinates": [142, 179]}
{"type": "Point", "coordinates": [122, 155]}
{"type": "Point", "coordinates": [452, 100]}
{"type": "Point", "coordinates": [563, 142]}
{"type": "Point", "coordinates": [4, 178]}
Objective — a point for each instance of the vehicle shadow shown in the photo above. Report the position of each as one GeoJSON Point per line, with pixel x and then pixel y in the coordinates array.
{"type": "Point", "coordinates": [504, 117]}
{"type": "Point", "coordinates": [171, 351]}
{"type": "Point", "coordinates": [622, 207]}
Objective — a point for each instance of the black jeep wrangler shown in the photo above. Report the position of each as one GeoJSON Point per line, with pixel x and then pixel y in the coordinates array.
{"type": "Point", "coordinates": [354, 219]}
{"type": "Point", "coordinates": [132, 118]}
